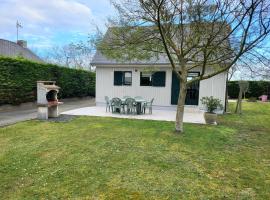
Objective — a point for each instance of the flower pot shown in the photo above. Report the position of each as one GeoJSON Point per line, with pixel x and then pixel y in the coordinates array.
{"type": "Point", "coordinates": [210, 118]}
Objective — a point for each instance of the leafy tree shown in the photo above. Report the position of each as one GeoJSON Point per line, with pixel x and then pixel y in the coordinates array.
{"type": "Point", "coordinates": [211, 36]}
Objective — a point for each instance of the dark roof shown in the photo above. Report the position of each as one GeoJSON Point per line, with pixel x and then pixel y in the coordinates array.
{"type": "Point", "coordinates": [12, 49]}
{"type": "Point", "coordinates": [100, 59]}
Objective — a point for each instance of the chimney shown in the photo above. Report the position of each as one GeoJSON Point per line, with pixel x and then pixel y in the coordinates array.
{"type": "Point", "coordinates": [22, 43]}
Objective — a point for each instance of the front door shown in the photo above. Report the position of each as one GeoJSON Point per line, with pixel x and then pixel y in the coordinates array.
{"type": "Point", "coordinates": [192, 97]}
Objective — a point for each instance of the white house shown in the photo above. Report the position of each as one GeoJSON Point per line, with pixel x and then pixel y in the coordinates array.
{"type": "Point", "coordinates": [151, 79]}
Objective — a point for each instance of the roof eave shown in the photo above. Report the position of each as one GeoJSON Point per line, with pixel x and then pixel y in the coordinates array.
{"type": "Point", "coordinates": [125, 64]}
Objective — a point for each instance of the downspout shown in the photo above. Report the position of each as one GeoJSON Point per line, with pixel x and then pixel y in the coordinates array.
{"type": "Point", "coordinates": [226, 93]}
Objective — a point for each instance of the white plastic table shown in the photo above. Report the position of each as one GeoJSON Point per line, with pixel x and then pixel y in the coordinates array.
{"type": "Point", "coordinates": [138, 104]}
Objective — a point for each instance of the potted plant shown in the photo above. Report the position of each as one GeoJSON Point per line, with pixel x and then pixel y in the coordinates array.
{"type": "Point", "coordinates": [211, 105]}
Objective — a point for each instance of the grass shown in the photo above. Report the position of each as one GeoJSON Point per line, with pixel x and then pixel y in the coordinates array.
{"type": "Point", "coordinates": [106, 158]}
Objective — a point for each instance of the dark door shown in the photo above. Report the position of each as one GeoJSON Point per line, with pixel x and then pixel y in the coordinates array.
{"type": "Point", "coordinates": [192, 97]}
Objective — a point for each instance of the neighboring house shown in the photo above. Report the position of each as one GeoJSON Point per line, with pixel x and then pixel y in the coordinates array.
{"type": "Point", "coordinates": [19, 49]}
{"type": "Point", "coordinates": [151, 79]}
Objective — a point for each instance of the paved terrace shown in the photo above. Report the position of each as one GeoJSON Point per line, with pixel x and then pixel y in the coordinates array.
{"type": "Point", "coordinates": [191, 115]}
{"type": "Point", "coordinates": [86, 107]}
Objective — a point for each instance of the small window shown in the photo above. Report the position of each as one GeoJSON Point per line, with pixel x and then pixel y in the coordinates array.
{"type": "Point", "coordinates": [192, 75]}
{"type": "Point", "coordinates": [146, 79]}
{"type": "Point", "coordinates": [156, 79]}
{"type": "Point", "coordinates": [122, 78]}
{"type": "Point", "coordinates": [127, 78]}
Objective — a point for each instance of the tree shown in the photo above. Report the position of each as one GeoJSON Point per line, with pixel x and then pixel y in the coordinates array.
{"type": "Point", "coordinates": [266, 74]}
{"type": "Point", "coordinates": [72, 55]}
{"type": "Point", "coordinates": [190, 33]}
{"type": "Point", "coordinates": [255, 64]}
{"type": "Point", "coordinates": [243, 88]}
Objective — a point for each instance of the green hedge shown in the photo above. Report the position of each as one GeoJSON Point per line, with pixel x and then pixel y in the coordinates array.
{"type": "Point", "coordinates": [18, 80]}
{"type": "Point", "coordinates": [256, 89]}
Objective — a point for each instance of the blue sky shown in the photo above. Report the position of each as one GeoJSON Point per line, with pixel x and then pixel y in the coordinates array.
{"type": "Point", "coordinates": [48, 23]}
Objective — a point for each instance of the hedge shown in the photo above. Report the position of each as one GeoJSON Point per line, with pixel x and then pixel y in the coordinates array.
{"type": "Point", "coordinates": [256, 89]}
{"type": "Point", "coordinates": [18, 80]}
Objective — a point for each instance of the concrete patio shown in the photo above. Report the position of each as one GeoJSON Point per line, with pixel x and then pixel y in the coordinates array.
{"type": "Point", "coordinates": [192, 115]}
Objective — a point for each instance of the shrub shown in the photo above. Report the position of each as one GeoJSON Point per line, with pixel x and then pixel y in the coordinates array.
{"type": "Point", "coordinates": [211, 103]}
{"type": "Point", "coordinates": [255, 89]}
{"type": "Point", "coordinates": [18, 80]}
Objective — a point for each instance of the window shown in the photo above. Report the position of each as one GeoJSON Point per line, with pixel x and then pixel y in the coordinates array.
{"type": "Point", "coordinates": [192, 95]}
{"type": "Point", "coordinates": [122, 77]}
{"type": "Point", "coordinates": [146, 79]}
{"type": "Point", "coordinates": [156, 79]}
{"type": "Point", "coordinates": [127, 78]}
{"type": "Point", "coordinates": [192, 75]}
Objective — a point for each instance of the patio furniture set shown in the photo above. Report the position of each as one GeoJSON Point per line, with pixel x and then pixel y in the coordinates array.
{"type": "Point", "coordinates": [128, 105]}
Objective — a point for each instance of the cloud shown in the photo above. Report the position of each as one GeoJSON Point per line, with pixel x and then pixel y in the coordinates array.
{"type": "Point", "coordinates": [56, 14]}
{"type": "Point", "coordinates": [51, 22]}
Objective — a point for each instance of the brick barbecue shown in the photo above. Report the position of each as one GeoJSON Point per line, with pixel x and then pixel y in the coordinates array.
{"type": "Point", "coordinates": [47, 101]}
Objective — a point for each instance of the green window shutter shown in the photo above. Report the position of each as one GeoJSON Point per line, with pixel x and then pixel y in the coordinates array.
{"type": "Point", "coordinates": [159, 79]}
{"type": "Point", "coordinates": [118, 78]}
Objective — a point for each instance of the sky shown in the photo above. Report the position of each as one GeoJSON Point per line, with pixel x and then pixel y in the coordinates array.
{"type": "Point", "coordinates": [49, 23]}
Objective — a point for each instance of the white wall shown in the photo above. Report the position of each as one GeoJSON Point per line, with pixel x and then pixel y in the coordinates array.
{"type": "Point", "coordinates": [214, 86]}
{"type": "Point", "coordinates": [105, 86]}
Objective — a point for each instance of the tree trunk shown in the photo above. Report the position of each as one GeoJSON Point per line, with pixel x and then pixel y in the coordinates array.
{"type": "Point", "coordinates": [238, 108]}
{"type": "Point", "coordinates": [180, 107]}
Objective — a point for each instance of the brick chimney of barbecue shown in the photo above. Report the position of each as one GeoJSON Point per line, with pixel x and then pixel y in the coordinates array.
{"type": "Point", "coordinates": [22, 43]}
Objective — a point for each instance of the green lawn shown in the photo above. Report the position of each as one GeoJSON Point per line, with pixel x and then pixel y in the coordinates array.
{"type": "Point", "coordinates": [106, 158]}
